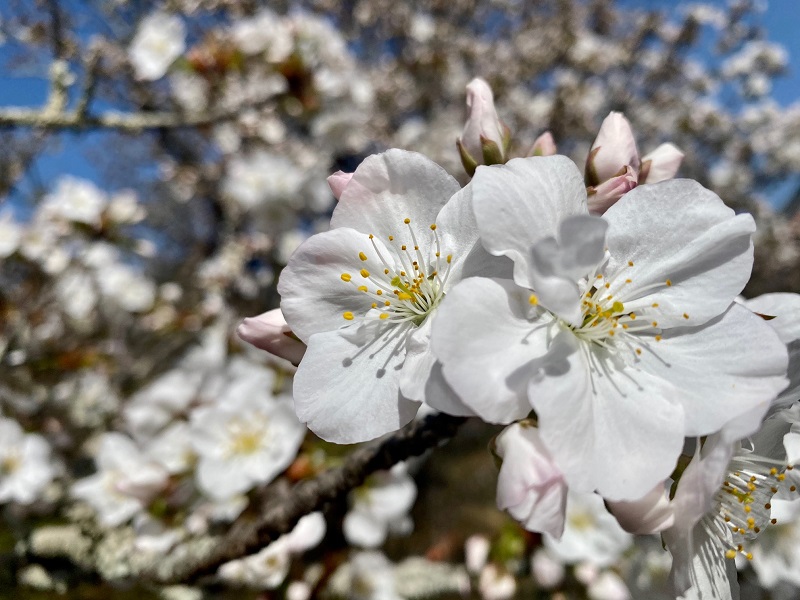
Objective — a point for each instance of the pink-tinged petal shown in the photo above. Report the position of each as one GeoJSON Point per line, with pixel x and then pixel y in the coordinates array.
{"type": "Point", "coordinates": [681, 248]}
{"type": "Point", "coordinates": [270, 332]}
{"type": "Point", "coordinates": [347, 387]}
{"type": "Point", "coordinates": [661, 164]}
{"type": "Point", "coordinates": [390, 187]}
{"type": "Point", "coordinates": [338, 181]}
{"type": "Point", "coordinates": [544, 145]}
{"type": "Point", "coordinates": [612, 151]}
{"type": "Point", "coordinates": [530, 485]}
{"type": "Point", "coordinates": [715, 380]}
{"type": "Point", "coordinates": [523, 202]}
{"type": "Point", "coordinates": [485, 342]}
{"type": "Point", "coordinates": [314, 296]}
{"type": "Point", "coordinates": [482, 121]}
{"type": "Point", "coordinates": [605, 195]}
{"type": "Point", "coordinates": [652, 513]}
{"type": "Point", "coordinates": [610, 427]}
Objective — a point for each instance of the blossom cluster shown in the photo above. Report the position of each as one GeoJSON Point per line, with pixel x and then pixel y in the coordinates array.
{"type": "Point", "coordinates": [596, 315]}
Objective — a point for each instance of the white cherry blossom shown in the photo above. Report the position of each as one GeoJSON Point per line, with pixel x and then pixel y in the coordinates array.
{"type": "Point", "coordinates": [159, 40]}
{"type": "Point", "coordinates": [616, 331]}
{"type": "Point", "coordinates": [25, 464]}
{"type": "Point", "coordinates": [363, 295]}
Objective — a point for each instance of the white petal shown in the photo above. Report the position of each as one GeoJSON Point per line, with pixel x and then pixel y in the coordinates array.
{"type": "Point", "coordinates": [484, 340]}
{"type": "Point", "coordinates": [364, 530]}
{"type": "Point", "coordinates": [705, 574]}
{"type": "Point", "coordinates": [678, 231]}
{"type": "Point", "coordinates": [390, 187]}
{"type": "Point", "coordinates": [721, 370]}
{"type": "Point", "coordinates": [313, 295]}
{"type": "Point", "coordinates": [524, 201]}
{"type": "Point", "coordinates": [349, 392]}
{"type": "Point", "coordinates": [650, 514]}
{"type": "Point", "coordinates": [785, 308]}
{"type": "Point", "coordinates": [664, 163]}
{"type": "Point", "coordinates": [611, 428]}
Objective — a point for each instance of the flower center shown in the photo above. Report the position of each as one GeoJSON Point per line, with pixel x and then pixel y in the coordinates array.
{"type": "Point", "coordinates": [246, 438]}
{"type": "Point", "coordinates": [9, 464]}
{"type": "Point", "coordinates": [410, 284]}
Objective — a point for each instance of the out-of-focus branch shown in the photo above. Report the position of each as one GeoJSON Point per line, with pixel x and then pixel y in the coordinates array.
{"type": "Point", "coordinates": [201, 557]}
{"type": "Point", "coordinates": [134, 122]}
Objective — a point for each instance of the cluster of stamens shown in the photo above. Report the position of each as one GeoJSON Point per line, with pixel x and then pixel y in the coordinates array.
{"type": "Point", "coordinates": [407, 288]}
{"type": "Point", "coordinates": [743, 501]}
{"type": "Point", "coordinates": [606, 322]}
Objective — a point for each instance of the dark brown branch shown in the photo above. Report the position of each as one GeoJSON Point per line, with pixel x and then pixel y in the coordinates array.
{"type": "Point", "coordinates": [312, 495]}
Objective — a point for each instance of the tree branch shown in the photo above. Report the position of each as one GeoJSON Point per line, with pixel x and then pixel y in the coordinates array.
{"type": "Point", "coordinates": [201, 557]}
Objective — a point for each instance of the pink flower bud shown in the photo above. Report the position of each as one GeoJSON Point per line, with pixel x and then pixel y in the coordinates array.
{"type": "Point", "coordinates": [544, 145]}
{"type": "Point", "coordinates": [483, 127]}
{"type": "Point", "coordinates": [603, 196]}
{"type": "Point", "coordinates": [530, 486]}
{"type": "Point", "coordinates": [270, 332]}
{"type": "Point", "coordinates": [613, 149]}
{"type": "Point", "coordinates": [338, 181]}
{"type": "Point", "coordinates": [660, 164]}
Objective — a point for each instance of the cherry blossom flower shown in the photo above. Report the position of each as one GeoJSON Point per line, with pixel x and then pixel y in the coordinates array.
{"type": "Point", "coordinates": [159, 40]}
{"type": "Point", "coordinates": [485, 139]}
{"type": "Point", "coordinates": [126, 482]}
{"type": "Point", "coordinates": [25, 464]}
{"type": "Point", "coordinates": [362, 297]}
{"type": "Point", "coordinates": [379, 507]}
{"type": "Point", "coordinates": [615, 330]}
{"type": "Point", "coordinates": [243, 440]}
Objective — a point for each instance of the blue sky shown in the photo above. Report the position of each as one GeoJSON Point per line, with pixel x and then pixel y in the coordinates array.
{"type": "Point", "coordinates": [780, 20]}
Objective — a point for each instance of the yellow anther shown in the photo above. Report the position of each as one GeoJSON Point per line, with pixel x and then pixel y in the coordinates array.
{"type": "Point", "coordinates": [371, 236]}
{"type": "Point", "coordinates": [773, 471]}
{"type": "Point", "coordinates": [384, 316]}
{"type": "Point", "coordinates": [608, 285]}
{"type": "Point", "coordinates": [449, 258]}
{"type": "Point", "coordinates": [730, 554]}
{"type": "Point", "coordinates": [533, 299]}
{"type": "Point", "coordinates": [669, 282]}
{"type": "Point", "coordinates": [600, 276]}
{"type": "Point", "coordinates": [379, 292]}
{"type": "Point", "coordinates": [749, 556]}
{"type": "Point", "coordinates": [655, 323]}
{"type": "Point", "coordinates": [348, 315]}
{"type": "Point", "coordinates": [406, 221]}
{"type": "Point", "coordinates": [638, 351]}
{"type": "Point", "coordinates": [685, 316]}
{"type": "Point", "coordinates": [386, 271]}
{"type": "Point", "coordinates": [630, 263]}
{"type": "Point", "coordinates": [629, 281]}
{"type": "Point", "coordinates": [391, 238]}
{"type": "Point", "coordinates": [402, 273]}
{"type": "Point", "coordinates": [362, 256]}
{"type": "Point", "coordinates": [374, 305]}
{"type": "Point", "coordinates": [659, 338]}
{"type": "Point", "coordinates": [433, 227]}
{"type": "Point", "coordinates": [768, 506]}
{"type": "Point", "coordinates": [387, 303]}
{"type": "Point", "coordinates": [773, 521]}
{"type": "Point", "coordinates": [364, 273]}
{"type": "Point", "coordinates": [655, 305]}
{"type": "Point", "coordinates": [632, 316]}
{"type": "Point", "coordinates": [416, 247]}
{"type": "Point", "coordinates": [403, 247]}
{"type": "Point", "coordinates": [792, 488]}
{"type": "Point", "coordinates": [346, 277]}
{"type": "Point", "coordinates": [624, 326]}
{"type": "Point", "coordinates": [747, 508]}
{"type": "Point", "coordinates": [363, 288]}
{"type": "Point", "coordinates": [780, 477]}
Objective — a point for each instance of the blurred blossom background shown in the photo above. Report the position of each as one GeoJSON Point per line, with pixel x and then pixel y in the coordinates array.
{"type": "Point", "coordinates": [159, 163]}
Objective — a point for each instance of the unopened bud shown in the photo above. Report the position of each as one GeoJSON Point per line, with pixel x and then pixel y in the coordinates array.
{"type": "Point", "coordinates": [613, 150]}
{"type": "Point", "coordinates": [660, 164]}
{"type": "Point", "coordinates": [603, 196]}
{"type": "Point", "coordinates": [269, 331]}
{"type": "Point", "coordinates": [485, 139]}
{"type": "Point", "coordinates": [544, 145]}
{"type": "Point", "coordinates": [338, 181]}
